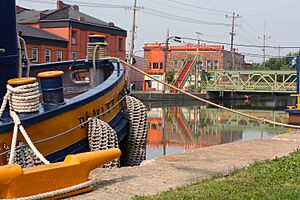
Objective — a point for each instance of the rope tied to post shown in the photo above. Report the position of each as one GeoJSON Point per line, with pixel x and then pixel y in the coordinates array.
{"type": "Point", "coordinates": [21, 99]}
{"type": "Point", "coordinates": [23, 54]}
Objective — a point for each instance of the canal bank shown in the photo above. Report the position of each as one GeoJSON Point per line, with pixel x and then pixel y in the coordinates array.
{"type": "Point", "coordinates": [155, 176]}
{"type": "Point", "coordinates": [166, 97]}
{"type": "Point", "coordinates": [170, 97]}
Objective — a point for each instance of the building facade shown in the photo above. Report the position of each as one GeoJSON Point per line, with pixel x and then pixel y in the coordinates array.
{"type": "Point", "coordinates": [67, 22]}
{"type": "Point", "coordinates": [212, 57]}
{"type": "Point", "coordinates": [43, 46]}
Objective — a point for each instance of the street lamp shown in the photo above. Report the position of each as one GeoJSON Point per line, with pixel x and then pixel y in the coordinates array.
{"type": "Point", "coordinates": [176, 39]}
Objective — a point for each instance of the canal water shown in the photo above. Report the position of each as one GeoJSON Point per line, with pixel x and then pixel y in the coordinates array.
{"type": "Point", "coordinates": [176, 127]}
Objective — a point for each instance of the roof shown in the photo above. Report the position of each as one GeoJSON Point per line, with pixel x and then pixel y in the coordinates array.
{"type": "Point", "coordinates": [32, 16]}
{"type": "Point", "coordinates": [30, 31]}
{"type": "Point", "coordinates": [69, 13]}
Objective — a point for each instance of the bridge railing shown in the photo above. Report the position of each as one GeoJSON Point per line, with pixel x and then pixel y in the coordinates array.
{"type": "Point", "coordinates": [251, 81]}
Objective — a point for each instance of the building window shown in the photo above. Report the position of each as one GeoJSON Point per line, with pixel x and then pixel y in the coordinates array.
{"type": "Point", "coordinates": [73, 37]}
{"type": "Point", "coordinates": [208, 64]}
{"type": "Point", "coordinates": [175, 64]}
{"type": "Point", "coordinates": [216, 64]}
{"type": "Point", "coordinates": [59, 55]}
{"type": "Point", "coordinates": [154, 65]}
{"type": "Point", "coordinates": [48, 55]}
{"type": "Point", "coordinates": [120, 44]}
{"type": "Point", "coordinates": [201, 66]}
{"type": "Point", "coordinates": [161, 65]}
{"type": "Point", "coordinates": [74, 56]}
{"type": "Point", "coordinates": [35, 55]}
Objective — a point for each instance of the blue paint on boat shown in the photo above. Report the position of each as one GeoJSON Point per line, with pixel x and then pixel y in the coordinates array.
{"type": "Point", "coordinates": [87, 97]}
{"type": "Point", "coordinates": [8, 42]}
{"type": "Point", "coordinates": [119, 124]}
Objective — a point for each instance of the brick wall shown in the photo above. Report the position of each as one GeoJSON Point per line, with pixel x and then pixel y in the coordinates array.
{"type": "Point", "coordinates": [42, 52]}
{"type": "Point", "coordinates": [82, 38]}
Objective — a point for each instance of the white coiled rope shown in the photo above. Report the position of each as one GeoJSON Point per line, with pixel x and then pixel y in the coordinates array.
{"type": "Point", "coordinates": [53, 194]}
{"type": "Point", "coordinates": [21, 99]}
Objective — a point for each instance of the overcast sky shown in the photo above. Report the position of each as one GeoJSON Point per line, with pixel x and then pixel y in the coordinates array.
{"type": "Point", "coordinates": [281, 19]}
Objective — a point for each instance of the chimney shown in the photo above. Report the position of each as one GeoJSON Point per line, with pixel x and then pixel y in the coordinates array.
{"type": "Point", "coordinates": [75, 7]}
{"type": "Point", "coordinates": [20, 9]}
{"type": "Point", "coordinates": [60, 5]}
{"type": "Point", "coordinates": [111, 24]}
{"type": "Point", "coordinates": [42, 15]}
{"type": "Point", "coordinates": [80, 18]}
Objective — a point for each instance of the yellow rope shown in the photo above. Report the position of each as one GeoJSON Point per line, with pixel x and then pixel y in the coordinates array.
{"type": "Point", "coordinates": [263, 120]}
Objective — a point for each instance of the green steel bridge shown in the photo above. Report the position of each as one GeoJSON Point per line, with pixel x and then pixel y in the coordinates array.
{"type": "Point", "coordinates": [250, 81]}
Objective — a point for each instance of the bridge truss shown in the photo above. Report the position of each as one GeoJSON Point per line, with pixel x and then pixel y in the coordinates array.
{"type": "Point", "coordinates": [250, 81]}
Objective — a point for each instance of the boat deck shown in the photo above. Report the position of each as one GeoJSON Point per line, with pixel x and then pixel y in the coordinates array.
{"type": "Point", "coordinates": [155, 176]}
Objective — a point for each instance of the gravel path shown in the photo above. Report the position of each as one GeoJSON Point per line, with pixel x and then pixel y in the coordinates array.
{"type": "Point", "coordinates": [155, 176]}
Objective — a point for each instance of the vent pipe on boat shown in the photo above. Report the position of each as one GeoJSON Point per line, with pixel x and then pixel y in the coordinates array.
{"type": "Point", "coordinates": [51, 84]}
{"type": "Point", "coordinates": [8, 44]}
{"type": "Point", "coordinates": [96, 49]}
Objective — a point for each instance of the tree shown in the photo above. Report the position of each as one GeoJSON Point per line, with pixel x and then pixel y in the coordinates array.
{"type": "Point", "coordinates": [277, 63]}
{"type": "Point", "coordinates": [170, 76]}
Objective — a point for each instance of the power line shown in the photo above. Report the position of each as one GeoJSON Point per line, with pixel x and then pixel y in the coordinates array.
{"type": "Point", "coordinates": [182, 8]}
{"type": "Point", "coordinates": [170, 16]}
{"type": "Point", "coordinates": [145, 10]}
{"type": "Point", "coordinates": [256, 31]}
{"type": "Point", "coordinates": [196, 6]}
{"type": "Point", "coordinates": [264, 38]}
{"type": "Point", "coordinates": [243, 45]}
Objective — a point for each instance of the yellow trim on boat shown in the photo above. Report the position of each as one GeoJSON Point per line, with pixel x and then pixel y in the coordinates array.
{"type": "Point", "coordinates": [64, 122]}
{"type": "Point", "coordinates": [16, 182]}
{"type": "Point", "coordinates": [21, 81]}
{"type": "Point", "coordinates": [50, 74]}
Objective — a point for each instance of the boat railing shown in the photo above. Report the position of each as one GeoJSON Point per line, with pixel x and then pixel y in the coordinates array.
{"type": "Point", "coordinates": [76, 78]}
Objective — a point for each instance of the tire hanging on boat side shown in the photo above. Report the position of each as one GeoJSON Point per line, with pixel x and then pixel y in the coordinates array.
{"type": "Point", "coordinates": [136, 113]}
{"type": "Point", "coordinates": [101, 137]}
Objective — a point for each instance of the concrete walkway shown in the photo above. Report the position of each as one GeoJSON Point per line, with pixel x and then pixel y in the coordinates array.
{"type": "Point", "coordinates": [158, 175]}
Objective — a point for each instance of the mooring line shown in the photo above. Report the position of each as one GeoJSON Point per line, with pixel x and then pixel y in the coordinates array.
{"type": "Point", "coordinates": [262, 120]}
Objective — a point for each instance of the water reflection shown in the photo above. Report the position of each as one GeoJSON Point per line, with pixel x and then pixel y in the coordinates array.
{"type": "Point", "coordinates": [175, 129]}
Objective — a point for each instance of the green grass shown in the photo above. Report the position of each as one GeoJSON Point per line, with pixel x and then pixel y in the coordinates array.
{"type": "Point", "coordinates": [275, 179]}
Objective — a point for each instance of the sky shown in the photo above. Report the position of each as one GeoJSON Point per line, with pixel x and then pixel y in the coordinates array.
{"type": "Point", "coordinates": [207, 17]}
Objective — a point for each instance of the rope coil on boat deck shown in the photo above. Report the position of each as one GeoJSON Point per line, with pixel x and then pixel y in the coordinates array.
{"type": "Point", "coordinates": [204, 100]}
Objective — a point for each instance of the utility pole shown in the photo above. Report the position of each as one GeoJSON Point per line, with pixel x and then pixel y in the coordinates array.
{"type": "Point", "coordinates": [279, 51]}
{"type": "Point", "coordinates": [197, 62]}
{"type": "Point", "coordinates": [264, 38]}
{"type": "Point", "coordinates": [130, 56]}
{"type": "Point", "coordinates": [166, 59]}
{"type": "Point", "coordinates": [233, 17]}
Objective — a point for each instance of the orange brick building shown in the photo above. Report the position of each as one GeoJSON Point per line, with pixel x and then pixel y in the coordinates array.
{"type": "Point", "coordinates": [213, 57]}
{"type": "Point", "coordinates": [67, 22]}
